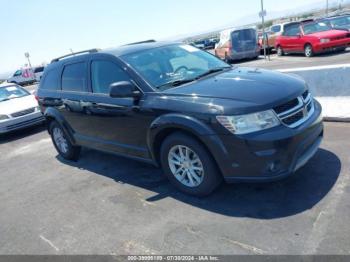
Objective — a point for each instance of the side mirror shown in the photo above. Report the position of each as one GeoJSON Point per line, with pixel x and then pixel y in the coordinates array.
{"type": "Point", "coordinates": [123, 89]}
{"type": "Point", "coordinates": [299, 35]}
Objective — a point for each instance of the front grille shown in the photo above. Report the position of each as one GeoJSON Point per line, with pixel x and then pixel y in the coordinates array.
{"type": "Point", "coordinates": [293, 118]}
{"type": "Point", "coordinates": [296, 111]}
{"type": "Point", "coordinates": [305, 94]}
{"type": "Point", "coordinates": [287, 106]}
{"type": "Point", "coordinates": [24, 112]}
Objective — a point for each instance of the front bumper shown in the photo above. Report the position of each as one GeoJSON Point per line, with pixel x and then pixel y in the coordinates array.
{"type": "Point", "coordinates": [271, 154]}
{"type": "Point", "coordinates": [332, 45]}
{"type": "Point", "coordinates": [13, 124]}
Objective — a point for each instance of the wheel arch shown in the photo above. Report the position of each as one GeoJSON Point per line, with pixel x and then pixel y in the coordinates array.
{"type": "Point", "coordinates": [52, 114]}
{"type": "Point", "coordinates": [167, 125]}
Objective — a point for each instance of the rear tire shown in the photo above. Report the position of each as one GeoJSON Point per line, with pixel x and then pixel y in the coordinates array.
{"type": "Point", "coordinates": [308, 51]}
{"type": "Point", "coordinates": [62, 144]}
{"type": "Point", "coordinates": [188, 165]}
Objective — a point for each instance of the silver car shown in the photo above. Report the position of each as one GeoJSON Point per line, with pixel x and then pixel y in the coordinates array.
{"type": "Point", "coordinates": [18, 108]}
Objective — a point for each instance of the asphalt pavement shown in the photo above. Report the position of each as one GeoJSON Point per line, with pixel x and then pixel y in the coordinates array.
{"type": "Point", "coordinates": [104, 204]}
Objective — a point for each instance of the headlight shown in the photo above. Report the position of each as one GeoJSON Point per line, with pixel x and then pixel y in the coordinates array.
{"type": "Point", "coordinates": [249, 123]}
{"type": "Point", "coordinates": [324, 40]}
{"type": "Point", "coordinates": [3, 117]}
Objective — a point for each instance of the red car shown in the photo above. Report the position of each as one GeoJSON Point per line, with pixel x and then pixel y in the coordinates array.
{"type": "Point", "coordinates": [311, 38]}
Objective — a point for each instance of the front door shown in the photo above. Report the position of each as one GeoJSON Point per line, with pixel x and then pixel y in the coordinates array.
{"type": "Point", "coordinates": [112, 124]}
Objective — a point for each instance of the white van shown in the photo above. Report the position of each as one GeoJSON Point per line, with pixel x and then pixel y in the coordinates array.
{"type": "Point", "coordinates": [22, 76]}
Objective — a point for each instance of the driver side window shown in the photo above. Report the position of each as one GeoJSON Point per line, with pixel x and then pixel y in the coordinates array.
{"type": "Point", "coordinates": [293, 30]}
{"type": "Point", "coordinates": [104, 73]}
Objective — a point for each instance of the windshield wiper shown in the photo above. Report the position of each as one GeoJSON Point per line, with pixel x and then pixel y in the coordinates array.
{"type": "Point", "coordinates": [211, 71]}
{"type": "Point", "coordinates": [177, 82]}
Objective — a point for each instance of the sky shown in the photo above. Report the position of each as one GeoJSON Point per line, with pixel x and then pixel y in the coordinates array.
{"type": "Point", "coordinates": [50, 28]}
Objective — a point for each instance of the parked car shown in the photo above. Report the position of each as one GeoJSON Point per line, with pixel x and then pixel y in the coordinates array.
{"type": "Point", "coordinates": [22, 76]}
{"type": "Point", "coordinates": [199, 44]}
{"type": "Point", "coordinates": [339, 22]}
{"type": "Point", "coordinates": [38, 73]}
{"type": "Point", "coordinates": [18, 108]}
{"type": "Point", "coordinates": [183, 109]}
{"type": "Point", "coordinates": [272, 33]}
{"type": "Point", "coordinates": [238, 44]}
{"type": "Point", "coordinates": [268, 42]}
{"type": "Point", "coordinates": [311, 38]}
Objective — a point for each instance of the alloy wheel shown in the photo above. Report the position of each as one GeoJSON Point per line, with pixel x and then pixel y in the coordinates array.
{"type": "Point", "coordinates": [186, 166]}
{"type": "Point", "coordinates": [60, 140]}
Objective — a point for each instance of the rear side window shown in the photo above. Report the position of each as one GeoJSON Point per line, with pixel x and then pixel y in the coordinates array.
{"type": "Point", "coordinates": [276, 28]}
{"type": "Point", "coordinates": [51, 80]}
{"type": "Point", "coordinates": [74, 77]}
{"type": "Point", "coordinates": [104, 73]}
{"type": "Point", "coordinates": [292, 30]}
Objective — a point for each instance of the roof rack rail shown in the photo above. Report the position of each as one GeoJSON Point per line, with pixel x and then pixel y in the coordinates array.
{"type": "Point", "coordinates": [143, 42]}
{"type": "Point", "coordinates": [89, 51]}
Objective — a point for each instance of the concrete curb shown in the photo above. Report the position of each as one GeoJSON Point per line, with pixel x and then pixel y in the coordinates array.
{"type": "Point", "coordinates": [330, 85]}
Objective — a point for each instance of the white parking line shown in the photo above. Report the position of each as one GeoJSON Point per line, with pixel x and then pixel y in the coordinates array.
{"type": "Point", "coordinates": [314, 68]}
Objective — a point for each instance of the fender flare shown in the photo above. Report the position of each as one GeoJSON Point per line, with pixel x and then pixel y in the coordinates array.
{"type": "Point", "coordinates": [54, 114]}
{"type": "Point", "coordinates": [186, 123]}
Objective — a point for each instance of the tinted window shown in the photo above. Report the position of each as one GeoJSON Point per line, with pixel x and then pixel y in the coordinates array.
{"type": "Point", "coordinates": [276, 28]}
{"type": "Point", "coordinates": [74, 77]}
{"type": "Point", "coordinates": [18, 73]}
{"type": "Point", "coordinates": [104, 73]}
{"type": "Point", "coordinates": [51, 80]}
{"type": "Point", "coordinates": [38, 69]}
{"type": "Point", "coordinates": [292, 30]}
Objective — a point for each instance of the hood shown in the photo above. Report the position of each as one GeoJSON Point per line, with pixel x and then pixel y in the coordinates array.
{"type": "Point", "coordinates": [17, 104]}
{"type": "Point", "coordinates": [329, 34]}
{"type": "Point", "coordinates": [247, 86]}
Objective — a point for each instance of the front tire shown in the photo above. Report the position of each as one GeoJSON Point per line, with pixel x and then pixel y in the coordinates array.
{"type": "Point", "coordinates": [188, 165]}
{"type": "Point", "coordinates": [280, 51]}
{"type": "Point", "coordinates": [62, 144]}
{"type": "Point", "coordinates": [308, 50]}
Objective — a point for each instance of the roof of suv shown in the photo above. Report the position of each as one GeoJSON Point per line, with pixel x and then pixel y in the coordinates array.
{"type": "Point", "coordinates": [118, 51]}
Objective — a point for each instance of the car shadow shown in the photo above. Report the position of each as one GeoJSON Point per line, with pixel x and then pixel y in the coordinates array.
{"type": "Point", "coordinates": [22, 133]}
{"type": "Point", "coordinates": [287, 197]}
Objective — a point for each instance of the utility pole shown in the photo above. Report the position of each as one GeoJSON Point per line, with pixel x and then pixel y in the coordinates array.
{"type": "Point", "coordinates": [326, 8]}
{"type": "Point", "coordinates": [262, 14]}
{"type": "Point", "coordinates": [26, 54]}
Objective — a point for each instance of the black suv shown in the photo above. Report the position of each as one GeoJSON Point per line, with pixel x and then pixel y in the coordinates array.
{"type": "Point", "coordinates": [183, 109]}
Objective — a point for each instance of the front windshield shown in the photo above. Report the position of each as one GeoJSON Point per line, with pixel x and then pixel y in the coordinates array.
{"type": "Point", "coordinates": [341, 21]}
{"type": "Point", "coordinates": [162, 67]}
{"type": "Point", "coordinates": [311, 28]}
{"type": "Point", "coordinates": [11, 92]}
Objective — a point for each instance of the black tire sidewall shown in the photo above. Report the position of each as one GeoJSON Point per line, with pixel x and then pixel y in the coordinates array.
{"type": "Point", "coordinates": [212, 176]}
{"type": "Point", "coordinates": [73, 152]}
{"type": "Point", "coordinates": [279, 51]}
{"type": "Point", "coordinates": [312, 52]}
